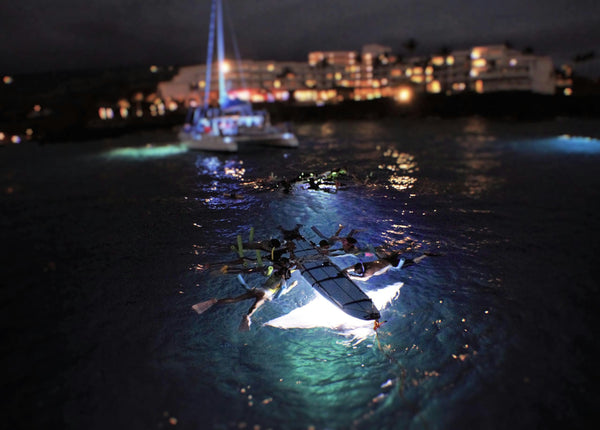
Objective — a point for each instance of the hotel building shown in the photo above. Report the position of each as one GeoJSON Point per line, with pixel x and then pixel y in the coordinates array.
{"type": "Point", "coordinates": [334, 76]}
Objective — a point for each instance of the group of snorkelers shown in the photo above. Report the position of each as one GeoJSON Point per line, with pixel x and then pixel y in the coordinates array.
{"type": "Point", "coordinates": [330, 181]}
{"type": "Point", "coordinates": [280, 268]}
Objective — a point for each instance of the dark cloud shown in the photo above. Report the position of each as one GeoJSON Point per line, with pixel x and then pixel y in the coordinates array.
{"type": "Point", "coordinates": [42, 35]}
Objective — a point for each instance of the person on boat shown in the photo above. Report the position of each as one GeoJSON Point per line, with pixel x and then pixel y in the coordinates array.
{"type": "Point", "coordinates": [272, 288]}
{"type": "Point", "coordinates": [365, 271]}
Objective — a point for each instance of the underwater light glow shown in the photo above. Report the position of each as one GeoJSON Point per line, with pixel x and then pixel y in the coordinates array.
{"type": "Point", "coordinates": [571, 144]}
{"type": "Point", "coordinates": [321, 313]}
{"type": "Point", "coordinates": [148, 151]}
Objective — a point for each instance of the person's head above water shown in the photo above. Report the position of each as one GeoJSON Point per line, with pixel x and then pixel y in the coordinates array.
{"type": "Point", "coordinates": [394, 259]}
{"type": "Point", "coordinates": [348, 243]}
{"type": "Point", "coordinates": [359, 268]}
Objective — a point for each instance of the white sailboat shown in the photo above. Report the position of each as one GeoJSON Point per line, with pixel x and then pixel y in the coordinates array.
{"type": "Point", "coordinates": [233, 122]}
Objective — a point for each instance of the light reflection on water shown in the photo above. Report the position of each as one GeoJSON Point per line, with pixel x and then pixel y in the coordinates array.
{"type": "Point", "coordinates": [440, 337]}
{"type": "Point", "coordinates": [116, 251]}
{"type": "Point", "coordinates": [148, 151]}
{"type": "Point", "coordinates": [317, 376]}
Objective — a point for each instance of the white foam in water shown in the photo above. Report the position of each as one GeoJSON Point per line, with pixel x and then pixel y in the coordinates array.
{"type": "Point", "coordinates": [321, 313]}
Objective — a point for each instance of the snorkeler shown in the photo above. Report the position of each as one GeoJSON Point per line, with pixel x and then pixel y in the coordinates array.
{"type": "Point", "coordinates": [264, 245]}
{"type": "Point", "coordinates": [292, 234]}
{"type": "Point", "coordinates": [272, 288]}
{"type": "Point", "coordinates": [365, 271]}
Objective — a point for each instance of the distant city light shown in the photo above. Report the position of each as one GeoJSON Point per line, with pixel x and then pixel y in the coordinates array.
{"type": "Point", "coordinates": [106, 113]}
{"type": "Point", "coordinates": [479, 62]}
{"type": "Point", "coordinates": [459, 86]}
{"type": "Point", "coordinates": [479, 86]}
{"type": "Point", "coordinates": [153, 69]}
{"type": "Point", "coordinates": [404, 95]}
{"type": "Point", "coordinates": [7, 80]}
{"type": "Point", "coordinates": [434, 87]}
{"type": "Point", "coordinates": [438, 61]}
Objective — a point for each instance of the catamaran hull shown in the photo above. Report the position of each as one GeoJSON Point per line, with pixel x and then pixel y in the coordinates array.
{"type": "Point", "coordinates": [285, 140]}
{"type": "Point", "coordinates": [209, 143]}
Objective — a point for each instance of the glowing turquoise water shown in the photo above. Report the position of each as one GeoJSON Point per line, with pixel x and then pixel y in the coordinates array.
{"type": "Point", "coordinates": [109, 243]}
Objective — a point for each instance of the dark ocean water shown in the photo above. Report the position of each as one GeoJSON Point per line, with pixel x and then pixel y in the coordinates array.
{"type": "Point", "coordinates": [106, 245]}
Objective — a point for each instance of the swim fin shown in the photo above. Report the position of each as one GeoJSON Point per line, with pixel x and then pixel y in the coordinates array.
{"type": "Point", "coordinates": [245, 324]}
{"type": "Point", "coordinates": [204, 306]}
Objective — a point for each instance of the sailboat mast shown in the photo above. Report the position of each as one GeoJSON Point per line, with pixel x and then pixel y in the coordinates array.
{"type": "Point", "coordinates": [209, 54]}
{"type": "Point", "coordinates": [221, 54]}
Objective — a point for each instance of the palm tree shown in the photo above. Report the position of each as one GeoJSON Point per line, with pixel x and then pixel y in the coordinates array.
{"type": "Point", "coordinates": [586, 56]}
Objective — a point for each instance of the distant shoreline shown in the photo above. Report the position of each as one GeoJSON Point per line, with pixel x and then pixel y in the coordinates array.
{"type": "Point", "coordinates": [79, 122]}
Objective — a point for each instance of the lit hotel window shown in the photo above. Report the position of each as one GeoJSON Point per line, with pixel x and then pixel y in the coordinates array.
{"type": "Point", "coordinates": [450, 60]}
{"type": "Point", "coordinates": [479, 86]}
{"type": "Point", "coordinates": [480, 62]}
{"type": "Point", "coordinates": [513, 62]}
{"type": "Point", "coordinates": [106, 113]}
{"type": "Point", "coordinates": [270, 67]}
{"type": "Point", "coordinates": [438, 61]}
{"type": "Point", "coordinates": [434, 87]}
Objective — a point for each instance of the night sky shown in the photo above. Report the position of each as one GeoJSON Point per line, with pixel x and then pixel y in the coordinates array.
{"type": "Point", "coordinates": [42, 35]}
